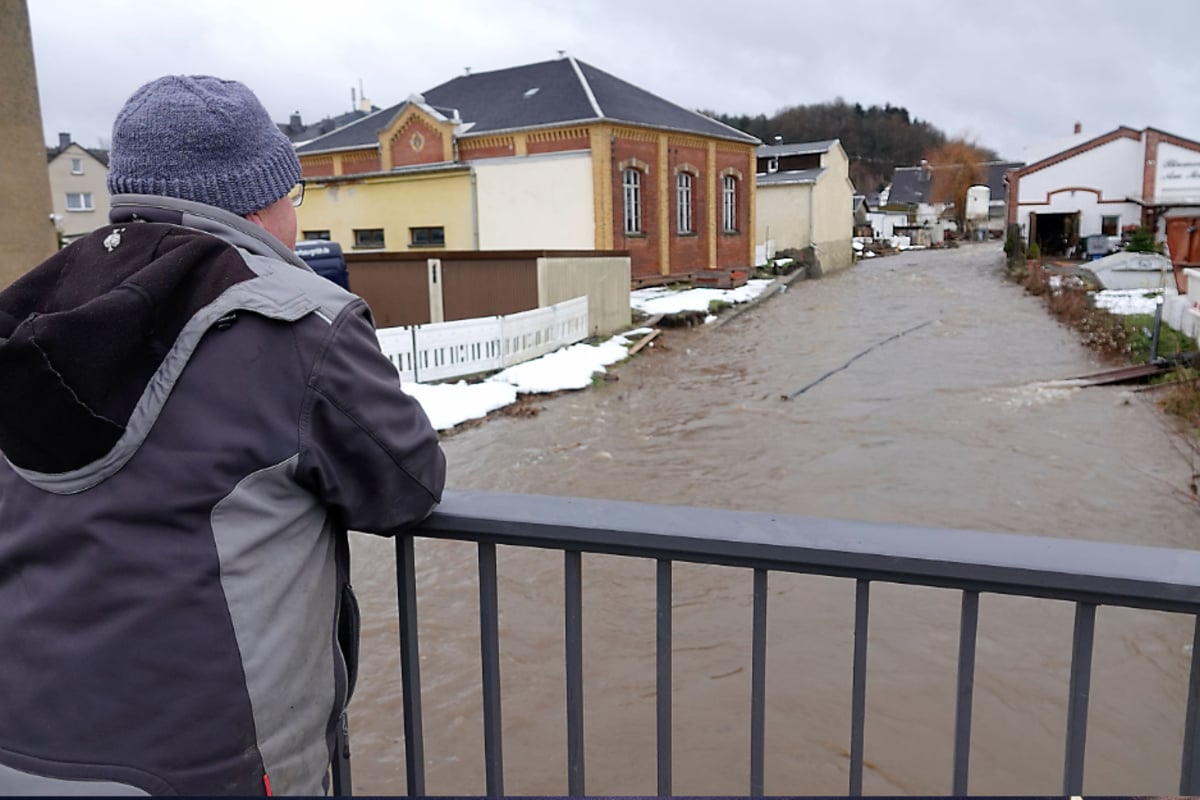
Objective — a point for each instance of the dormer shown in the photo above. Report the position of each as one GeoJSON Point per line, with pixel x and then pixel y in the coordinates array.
{"type": "Point", "coordinates": [420, 134]}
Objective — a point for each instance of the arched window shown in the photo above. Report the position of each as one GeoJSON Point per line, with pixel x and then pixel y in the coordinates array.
{"type": "Point", "coordinates": [683, 202]}
{"type": "Point", "coordinates": [631, 183]}
{"type": "Point", "coordinates": [729, 204]}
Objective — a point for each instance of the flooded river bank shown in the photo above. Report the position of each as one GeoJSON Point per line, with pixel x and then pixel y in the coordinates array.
{"type": "Point", "coordinates": [960, 423]}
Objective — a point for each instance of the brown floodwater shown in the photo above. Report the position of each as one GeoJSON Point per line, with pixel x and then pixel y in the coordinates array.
{"type": "Point", "coordinates": [961, 423]}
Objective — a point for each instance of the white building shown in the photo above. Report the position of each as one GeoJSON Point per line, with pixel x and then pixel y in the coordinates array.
{"type": "Point", "coordinates": [884, 223]}
{"type": "Point", "coordinates": [1100, 186]}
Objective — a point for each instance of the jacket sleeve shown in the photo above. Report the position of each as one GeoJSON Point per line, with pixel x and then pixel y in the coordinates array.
{"type": "Point", "coordinates": [367, 449]}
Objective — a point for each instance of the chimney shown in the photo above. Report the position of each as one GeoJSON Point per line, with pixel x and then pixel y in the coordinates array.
{"type": "Point", "coordinates": [64, 139]}
{"type": "Point", "coordinates": [1078, 128]}
{"type": "Point", "coordinates": [778, 139]}
{"type": "Point", "coordinates": [295, 124]}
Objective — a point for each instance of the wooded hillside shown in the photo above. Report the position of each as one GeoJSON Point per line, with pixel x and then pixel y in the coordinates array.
{"type": "Point", "coordinates": [877, 140]}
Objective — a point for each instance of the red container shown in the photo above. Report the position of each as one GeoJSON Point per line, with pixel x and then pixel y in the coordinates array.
{"type": "Point", "coordinates": [1183, 246]}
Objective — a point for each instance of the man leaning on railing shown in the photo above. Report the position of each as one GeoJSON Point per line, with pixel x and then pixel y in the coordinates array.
{"type": "Point", "coordinates": [191, 419]}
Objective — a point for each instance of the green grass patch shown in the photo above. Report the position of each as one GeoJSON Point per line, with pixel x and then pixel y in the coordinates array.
{"type": "Point", "coordinates": [1139, 332]}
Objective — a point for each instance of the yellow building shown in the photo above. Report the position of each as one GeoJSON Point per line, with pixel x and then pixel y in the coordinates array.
{"type": "Point", "coordinates": [378, 211]}
{"type": "Point", "coordinates": [806, 200]}
{"type": "Point", "coordinates": [550, 156]}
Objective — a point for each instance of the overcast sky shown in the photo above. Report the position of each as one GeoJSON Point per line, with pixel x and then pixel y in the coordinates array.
{"type": "Point", "coordinates": [1006, 73]}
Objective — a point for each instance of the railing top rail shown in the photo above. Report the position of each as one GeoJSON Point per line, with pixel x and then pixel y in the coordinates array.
{"type": "Point", "coordinates": [1064, 569]}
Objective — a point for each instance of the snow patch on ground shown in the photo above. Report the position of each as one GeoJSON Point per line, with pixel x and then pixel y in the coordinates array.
{"type": "Point", "coordinates": [664, 300]}
{"type": "Point", "coordinates": [567, 368]}
{"type": "Point", "coordinates": [1128, 301]}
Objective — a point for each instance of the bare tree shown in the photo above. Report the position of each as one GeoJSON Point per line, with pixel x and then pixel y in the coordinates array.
{"type": "Point", "coordinates": [957, 165]}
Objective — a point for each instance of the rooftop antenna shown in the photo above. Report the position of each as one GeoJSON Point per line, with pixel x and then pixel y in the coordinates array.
{"type": "Point", "coordinates": [353, 99]}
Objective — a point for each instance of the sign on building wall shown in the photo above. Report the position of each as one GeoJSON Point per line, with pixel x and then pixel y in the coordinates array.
{"type": "Point", "coordinates": [1177, 173]}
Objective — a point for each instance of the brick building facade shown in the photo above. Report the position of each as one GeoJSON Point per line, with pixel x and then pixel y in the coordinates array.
{"type": "Point", "coordinates": [673, 188]}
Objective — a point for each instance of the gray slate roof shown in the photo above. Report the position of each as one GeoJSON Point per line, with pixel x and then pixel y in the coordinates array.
{"type": "Point", "coordinates": [567, 91]}
{"type": "Point", "coordinates": [797, 149]}
{"type": "Point", "coordinates": [95, 152]}
{"type": "Point", "coordinates": [912, 185]}
{"type": "Point", "coordinates": [995, 180]}
{"type": "Point", "coordinates": [790, 176]}
{"type": "Point", "coordinates": [303, 133]}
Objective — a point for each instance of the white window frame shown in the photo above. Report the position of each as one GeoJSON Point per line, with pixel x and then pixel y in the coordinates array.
{"type": "Point", "coordinates": [729, 203]}
{"type": "Point", "coordinates": [631, 187]}
{"type": "Point", "coordinates": [76, 166]}
{"type": "Point", "coordinates": [683, 203]}
{"type": "Point", "coordinates": [84, 202]}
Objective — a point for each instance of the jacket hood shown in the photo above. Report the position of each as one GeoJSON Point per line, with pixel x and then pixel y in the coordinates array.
{"type": "Point", "coordinates": [83, 333]}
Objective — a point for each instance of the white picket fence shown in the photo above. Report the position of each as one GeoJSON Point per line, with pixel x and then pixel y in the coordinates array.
{"type": "Point", "coordinates": [441, 350]}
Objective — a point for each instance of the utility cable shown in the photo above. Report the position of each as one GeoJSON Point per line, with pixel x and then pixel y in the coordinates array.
{"type": "Point", "coordinates": [832, 372]}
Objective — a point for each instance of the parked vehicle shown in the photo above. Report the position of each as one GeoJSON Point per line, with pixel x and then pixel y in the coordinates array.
{"type": "Point", "coordinates": [326, 259]}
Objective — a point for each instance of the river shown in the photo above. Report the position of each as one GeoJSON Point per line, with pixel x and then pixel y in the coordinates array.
{"type": "Point", "coordinates": [958, 423]}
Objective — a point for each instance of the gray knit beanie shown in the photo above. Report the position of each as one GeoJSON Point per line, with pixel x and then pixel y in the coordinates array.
{"type": "Point", "coordinates": [201, 138]}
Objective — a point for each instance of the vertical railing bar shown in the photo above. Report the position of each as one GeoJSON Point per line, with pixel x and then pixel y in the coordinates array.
{"type": "Point", "coordinates": [663, 683]}
{"type": "Point", "coordinates": [1189, 778]}
{"type": "Point", "coordinates": [1077, 705]}
{"type": "Point", "coordinates": [489, 640]}
{"type": "Point", "coordinates": [573, 565]}
{"type": "Point", "coordinates": [416, 372]}
{"type": "Point", "coordinates": [967, 633]}
{"type": "Point", "coordinates": [758, 683]}
{"type": "Point", "coordinates": [410, 667]}
{"type": "Point", "coordinates": [858, 711]}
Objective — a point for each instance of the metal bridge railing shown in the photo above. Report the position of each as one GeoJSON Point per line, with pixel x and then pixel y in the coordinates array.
{"type": "Point", "coordinates": [1088, 574]}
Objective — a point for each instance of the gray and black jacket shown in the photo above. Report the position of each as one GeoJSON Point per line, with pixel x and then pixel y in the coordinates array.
{"type": "Point", "coordinates": [190, 421]}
